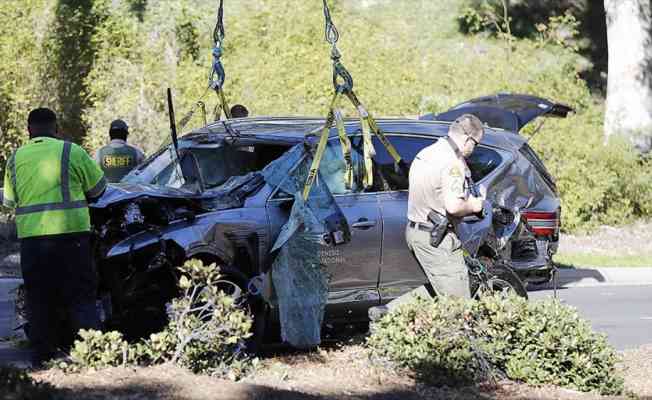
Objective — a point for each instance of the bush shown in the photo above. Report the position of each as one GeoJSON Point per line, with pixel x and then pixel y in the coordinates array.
{"type": "Point", "coordinates": [454, 341]}
{"type": "Point", "coordinates": [599, 184]}
{"type": "Point", "coordinates": [206, 333]}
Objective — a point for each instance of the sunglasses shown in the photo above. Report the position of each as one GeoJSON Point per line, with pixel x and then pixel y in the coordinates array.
{"type": "Point", "coordinates": [475, 142]}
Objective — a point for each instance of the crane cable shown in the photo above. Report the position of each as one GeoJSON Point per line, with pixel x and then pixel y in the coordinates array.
{"type": "Point", "coordinates": [216, 77]}
{"type": "Point", "coordinates": [343, 84]}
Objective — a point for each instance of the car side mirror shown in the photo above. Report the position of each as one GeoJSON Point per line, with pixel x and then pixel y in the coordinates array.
{"type": "Point", "coordinates": [190, 170]}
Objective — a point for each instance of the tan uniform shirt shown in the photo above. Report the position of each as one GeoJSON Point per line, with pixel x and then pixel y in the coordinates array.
{"type": "Point", "coordinates": [435, 171]}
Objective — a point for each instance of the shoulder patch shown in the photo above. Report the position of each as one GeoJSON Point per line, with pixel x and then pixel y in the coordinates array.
{"type": "Point", "coordinates": [455, 172]}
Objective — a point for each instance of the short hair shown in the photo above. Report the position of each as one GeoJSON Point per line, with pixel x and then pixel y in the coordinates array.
{"type": "Point", "coordinates": [118, 134]}
{"type": "Point", "coordinates": [239, 111]}
{"type": "Point", "coordinates": [41, 116]}
{"type": "Point", "coordinates": [42, 121]}
{"type": "Point", "coordinates": [468, 125]}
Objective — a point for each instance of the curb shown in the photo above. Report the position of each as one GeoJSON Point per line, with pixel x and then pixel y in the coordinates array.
{"type": "Point", "coordinates": [591, 277]}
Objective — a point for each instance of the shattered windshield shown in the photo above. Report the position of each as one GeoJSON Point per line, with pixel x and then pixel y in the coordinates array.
{"type": "Point", "coordinates": [216, 164]}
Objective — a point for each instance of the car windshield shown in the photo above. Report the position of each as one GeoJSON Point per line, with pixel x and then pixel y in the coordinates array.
{"type": "Point", "coordinates": [216, 164]}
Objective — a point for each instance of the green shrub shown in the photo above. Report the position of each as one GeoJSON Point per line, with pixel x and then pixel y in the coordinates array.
{"type": "Point", "coordinates": [599, 184]}
{"type": "Point", "coordinates": [452, 341]}
{"type": "Point", "coordinates": [206, 333]}
{"type": "Point", "coordinates": [97, 350]}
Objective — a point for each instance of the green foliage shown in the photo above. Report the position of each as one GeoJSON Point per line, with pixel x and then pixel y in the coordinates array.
{"type": "Point", "coordinates": [206, 333]}
{"type": "Point", "coordinates": [599, 184]}
{"type": "Point", "coordinates": [23, 22]}
{"type": "Point", "coordinates": [206, 325]}
{"type": "Point", "coordinates": [406, 58]}
{"type": "Point", "coordinates": [16, 384]}
{"type": "Point", "coordinates": [70, 53]}
{"type": "Point", "coordinates": [98, 350]}
{"type": "Point", "coordinates": [452, 341]}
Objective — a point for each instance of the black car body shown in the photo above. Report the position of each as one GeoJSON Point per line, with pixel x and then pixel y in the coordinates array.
{"type": "Point", "coordinates": [230, 215]}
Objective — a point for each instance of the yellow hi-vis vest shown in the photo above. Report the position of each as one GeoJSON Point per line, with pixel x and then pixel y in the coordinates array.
{"type": "Point", "coordinates": [47, 181]}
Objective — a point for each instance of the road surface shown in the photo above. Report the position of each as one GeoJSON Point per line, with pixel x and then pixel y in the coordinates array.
{"type": "Point", "coordinates": [624, 313]}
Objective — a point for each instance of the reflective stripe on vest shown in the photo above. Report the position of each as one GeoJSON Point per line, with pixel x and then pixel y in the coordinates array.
{"type": "Point", "coordinates": [12, 168]}
{"type": "Point", "coordinates": [66, 204]}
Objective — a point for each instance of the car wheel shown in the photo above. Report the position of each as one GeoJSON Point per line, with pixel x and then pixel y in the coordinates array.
{"type": "Point", "coordinates": [500, 279]}
{"type": "Point", "coordinates": [234, 284]}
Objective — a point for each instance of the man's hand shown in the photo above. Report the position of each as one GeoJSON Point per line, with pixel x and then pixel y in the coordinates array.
{"type": "Point", "coordinates": [477, 203]}
{"type": "Point", "coordinates": [482, 191]}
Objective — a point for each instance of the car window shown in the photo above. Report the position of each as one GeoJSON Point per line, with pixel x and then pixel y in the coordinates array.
{"type": "Point", "coordinates": [332, 169]}
{"type": "Point", "coordinates": [482, 162]}
{"type": "Point", "coordinates": [386, 177]}
{"type": "Point", "coordinates": [532, 157]}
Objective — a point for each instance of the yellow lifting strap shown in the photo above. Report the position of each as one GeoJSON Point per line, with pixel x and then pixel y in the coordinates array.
{"type": "Point", "coordinates": [223, 105]}
{"type": "Point", "coordinates": [334, 115]}
{"type": "Point", "coordinates": [343, 83]}
{"type": "Point", "coordinates": [368, 127]}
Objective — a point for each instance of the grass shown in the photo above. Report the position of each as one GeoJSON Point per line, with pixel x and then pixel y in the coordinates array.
{"type": "Point", "coordinates": [584, 260]}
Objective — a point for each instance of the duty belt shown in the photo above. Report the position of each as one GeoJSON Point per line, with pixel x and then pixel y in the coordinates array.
{"type": "Point", "coordinates": [420, 226]}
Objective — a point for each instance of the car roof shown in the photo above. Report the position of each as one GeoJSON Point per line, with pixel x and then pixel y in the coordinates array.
{"type": "Point", "coordinates": [295, 129]}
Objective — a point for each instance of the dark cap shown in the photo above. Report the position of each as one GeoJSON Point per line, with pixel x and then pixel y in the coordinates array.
{"type": "Point", "coordinates": [119, 125]}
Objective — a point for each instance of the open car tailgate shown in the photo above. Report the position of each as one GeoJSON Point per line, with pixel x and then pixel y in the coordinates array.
{"type": "Point", "coordinates": [506, 111]}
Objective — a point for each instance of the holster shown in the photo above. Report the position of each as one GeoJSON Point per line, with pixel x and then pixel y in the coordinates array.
{"type": "Point", "coordinates": [440, 227]}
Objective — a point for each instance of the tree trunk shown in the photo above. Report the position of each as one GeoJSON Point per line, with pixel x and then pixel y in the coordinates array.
{"type": "Point", "coordinates": [629, 86]}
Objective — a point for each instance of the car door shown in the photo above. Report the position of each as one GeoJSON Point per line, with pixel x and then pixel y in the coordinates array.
{"type": "Point", "coordinates": [400, 271]}
{"type": "Point", "coordinates": [353, 268]}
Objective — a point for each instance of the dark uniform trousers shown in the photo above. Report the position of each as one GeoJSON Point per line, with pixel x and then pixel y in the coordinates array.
{"type": "Point", "coordinates": [60, 287]}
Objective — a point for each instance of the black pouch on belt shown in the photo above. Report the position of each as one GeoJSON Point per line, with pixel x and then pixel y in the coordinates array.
{"type": "Point", "coordinates": [440, 227]}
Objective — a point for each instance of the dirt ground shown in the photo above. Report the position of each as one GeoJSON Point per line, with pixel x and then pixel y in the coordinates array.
{"type": "Point", "coordinates": [344, 373]}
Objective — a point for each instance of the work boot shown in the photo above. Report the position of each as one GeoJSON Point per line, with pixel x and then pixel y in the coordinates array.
{"type": "Point", "coordinates": [377, 312]}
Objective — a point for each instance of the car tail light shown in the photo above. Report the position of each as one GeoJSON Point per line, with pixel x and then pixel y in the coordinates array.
{"type": "Point", "coordinates": [542, 223]}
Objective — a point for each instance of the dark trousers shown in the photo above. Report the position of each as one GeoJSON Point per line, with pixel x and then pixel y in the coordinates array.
{"type": "Point", "coordinates": [60, 289]}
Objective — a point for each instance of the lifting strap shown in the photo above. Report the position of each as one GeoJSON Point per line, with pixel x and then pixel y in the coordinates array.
{"type": "Point", "coordinates": [343, 84]}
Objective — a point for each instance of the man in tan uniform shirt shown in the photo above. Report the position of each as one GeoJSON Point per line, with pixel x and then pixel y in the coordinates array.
{"type": "Point", "coordinates": [439, 181]}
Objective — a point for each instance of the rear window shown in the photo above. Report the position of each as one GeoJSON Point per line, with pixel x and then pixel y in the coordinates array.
{"type": "Point", "coordinates": [532, 157]}
{"type": "Point", "coordinates": [482, 162]}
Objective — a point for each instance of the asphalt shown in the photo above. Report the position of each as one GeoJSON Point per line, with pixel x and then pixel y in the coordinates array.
{"type": "Point", "coordinates": [623, 313]}
{"type": "Point", "coordinates": [617, 302]}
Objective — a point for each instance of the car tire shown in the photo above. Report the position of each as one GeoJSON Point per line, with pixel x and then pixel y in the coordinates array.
{"type": "Point", "coordinates": [233, 281]}
{"type": "Point", "coordinates": [501, 278]}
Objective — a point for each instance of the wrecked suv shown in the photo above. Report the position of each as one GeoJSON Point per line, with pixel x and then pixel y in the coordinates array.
{"type": "Point", "coordinates": [227, 212]}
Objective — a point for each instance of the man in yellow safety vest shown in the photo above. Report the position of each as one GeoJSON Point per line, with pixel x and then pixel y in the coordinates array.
{"type": "Point", "coordinates": [49, 183]}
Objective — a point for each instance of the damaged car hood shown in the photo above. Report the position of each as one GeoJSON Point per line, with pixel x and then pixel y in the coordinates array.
{"type": "Point", "coordinates": [231, 194]}
{"type": "Point", "coordinates": [119, 192]}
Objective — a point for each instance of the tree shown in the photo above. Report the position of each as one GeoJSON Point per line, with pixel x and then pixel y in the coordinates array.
{"type": "Point", "coordinates": [629, 86]}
